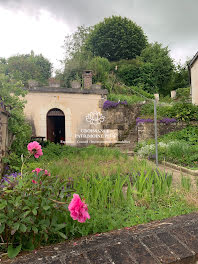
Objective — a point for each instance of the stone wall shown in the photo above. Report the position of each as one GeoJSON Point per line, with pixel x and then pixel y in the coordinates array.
{"type": "Point", "coordinates": [123, 119]}
{"type": "Point", "coordinates": [3, 135]}
{"type": "Point", "coordinates": [146, 130]}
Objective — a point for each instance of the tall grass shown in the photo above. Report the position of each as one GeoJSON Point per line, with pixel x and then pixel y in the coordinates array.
{"type": "Point", "coordinates": [119, 191]}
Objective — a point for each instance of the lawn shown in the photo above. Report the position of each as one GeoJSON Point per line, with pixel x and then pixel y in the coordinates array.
{"type": "Point", "coordinates": [119, 192]}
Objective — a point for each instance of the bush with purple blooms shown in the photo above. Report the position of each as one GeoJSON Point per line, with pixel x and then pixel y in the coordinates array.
{"type": "Point", "coordinates": [110, 104]}
{"type": "Point", "coordinates": [9, 180]}
{"type": "Point", "coordinates": [165, 120]}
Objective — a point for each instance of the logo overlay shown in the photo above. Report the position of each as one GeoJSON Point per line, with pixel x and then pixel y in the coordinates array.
{"type": "Point", "coordinates": [95, 118]}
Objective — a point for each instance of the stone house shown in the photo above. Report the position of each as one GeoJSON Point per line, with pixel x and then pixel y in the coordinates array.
{"type": "Point", "coordinates": [193, 72]}
{"type": "Point", "coordinates": [69, 115]}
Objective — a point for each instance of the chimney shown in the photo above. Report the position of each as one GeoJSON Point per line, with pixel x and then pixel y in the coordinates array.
{"type": "Point", "coordinates": [87, 79]}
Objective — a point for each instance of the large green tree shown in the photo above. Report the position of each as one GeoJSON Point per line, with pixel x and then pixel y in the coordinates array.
{"type": "Point", "coordinates": [161, 67]}
{"type": "Point", "coordinates": [116, 38]}
{"type": "Point", "coordinates": [77, 58]}
{"type": "Point", "coordinates": [74, 43]}
{"type": "Point", "coordinates": [181, 76]}
{"type": "Point", "coordinates": [26, 67]}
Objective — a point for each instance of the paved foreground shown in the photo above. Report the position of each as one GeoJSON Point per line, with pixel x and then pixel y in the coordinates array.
{"type": "Point", "coordinates": [174, 240]}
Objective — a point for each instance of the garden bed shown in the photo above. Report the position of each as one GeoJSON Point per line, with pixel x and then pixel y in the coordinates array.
{"type": "Point", "coordinates": [180, 168]}
{"type": "Point", "coordinates": [180, 148]}
{"type": "Point", "coordinates": [34, 206]}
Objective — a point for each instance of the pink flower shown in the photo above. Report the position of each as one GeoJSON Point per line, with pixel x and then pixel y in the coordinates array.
{"type": "Point", "coordinates": [37, 170]}
{"type": "Point", "coordinates": [78, 209]}
{"type": "Point", "coordinates": [33, 181]}
{"type": "Point", "coordinates": [35, 149]}
{"type": "Point", "coordinates": [47, 173]}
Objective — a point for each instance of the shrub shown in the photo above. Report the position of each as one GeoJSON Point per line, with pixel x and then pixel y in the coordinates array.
{"type": "Point", "coordinates": [183, 93]}
{"type": "Point", "coordinates": [182, 111]}
{"type": "Point", "coordinates": [188, 134]}
{"type": "Point", "coordinates": [110, 104]}
{"type": "Point", "coordinates": [130, 99]}
{"type": "Point", "coordinates": [34, 207]}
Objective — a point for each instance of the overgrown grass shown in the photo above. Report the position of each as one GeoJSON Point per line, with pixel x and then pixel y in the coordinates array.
{"type": "Point", "coordinates": [131, 99]}
{"type": "Point", "coordinates": [120, 191]}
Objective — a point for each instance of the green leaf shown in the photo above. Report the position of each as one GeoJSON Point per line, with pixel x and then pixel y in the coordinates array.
{"type": "Point", "coordinates": [34, 211]}
{"type": "Point", "coordinates": [3, 204]}
{"type": "Point", "coordinates": [62, 235]}
{"type": "Point", "coordinates": [2, 227]}
{"type": "Point", "coordinates": [16, 226]}
{"type": "Point", "coordinates": [26, 213]}
{"type": "Point", "coordinates": [59, 227]}
{"type": "Point", "coordinates": [35, 229]}
{"type": "Point", "coordinates": [23, 228]}
{"type": "Point", "coordinates": [46, 207]}
{"type": "Point", "coordinates": [13, 252]}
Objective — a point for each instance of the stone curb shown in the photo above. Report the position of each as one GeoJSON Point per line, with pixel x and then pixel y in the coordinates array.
{"type": "Point", "coordinates": [170, 165]}
{"type": "Point", "coordinates": [180, 168]}
{"type": "Point", "coordinates": [173, 240]}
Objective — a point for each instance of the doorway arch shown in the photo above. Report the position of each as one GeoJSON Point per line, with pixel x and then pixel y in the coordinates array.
{"type": "Point", "coordinates": [55, 125]}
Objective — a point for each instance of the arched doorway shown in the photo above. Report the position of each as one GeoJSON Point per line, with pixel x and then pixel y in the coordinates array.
{"type": "Point", "coordinates": [55, 125]}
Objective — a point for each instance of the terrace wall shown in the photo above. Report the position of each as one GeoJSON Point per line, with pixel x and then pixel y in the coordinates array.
{"type": "Point", "coordinates": [146, 130]}
{"type": "Point", "coordinates": [123, 119]}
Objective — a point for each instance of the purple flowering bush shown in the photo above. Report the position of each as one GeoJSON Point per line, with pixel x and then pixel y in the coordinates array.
{"type": "Point", "coordinates": [165, 120]}
{"type": "Point", "coordinates": [110, 104]}
{"type": "Point", "coordinates": [9, 180]}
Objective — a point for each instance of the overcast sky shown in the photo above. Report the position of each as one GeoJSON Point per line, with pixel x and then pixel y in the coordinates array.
{"type": "Point", "coordinates": [41, 25]}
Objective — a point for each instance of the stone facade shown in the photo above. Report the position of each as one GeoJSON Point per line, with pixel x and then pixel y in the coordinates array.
{"type": "Point", "coordinates": [193, 69]}
{"type": "Point", "coordinates": [76, 104]}
{"type": "Point", "coordinates": [54, 83]}
{"type": "Point", "coordinates": [3, 135]}
{"type": "Point", "coordinates": [123, 119]}
{"type": "Point", "coordinates": [146, 130]}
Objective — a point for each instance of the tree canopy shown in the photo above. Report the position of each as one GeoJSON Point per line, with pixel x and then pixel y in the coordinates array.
{"type": "Point", "coordinates": [27, 67]}
{"type": "Point", "coordinates": [161, 65]}
{"type": "Point", "coordinates": [124, 44]}
{"type": "Point", "coordinates": [116, 38]}
{"type": "Point", "coordinates": [181, 77]}
{"type": "Point", "coordinates": [74, 43]}
{"type": "Point", "coordinates": [76, 57]}
{"type": "Point", "coordinates": [153, 70]}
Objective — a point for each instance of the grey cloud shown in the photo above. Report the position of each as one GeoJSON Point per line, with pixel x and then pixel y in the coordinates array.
{"type": "Point", "coordinates": [171, 22]}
